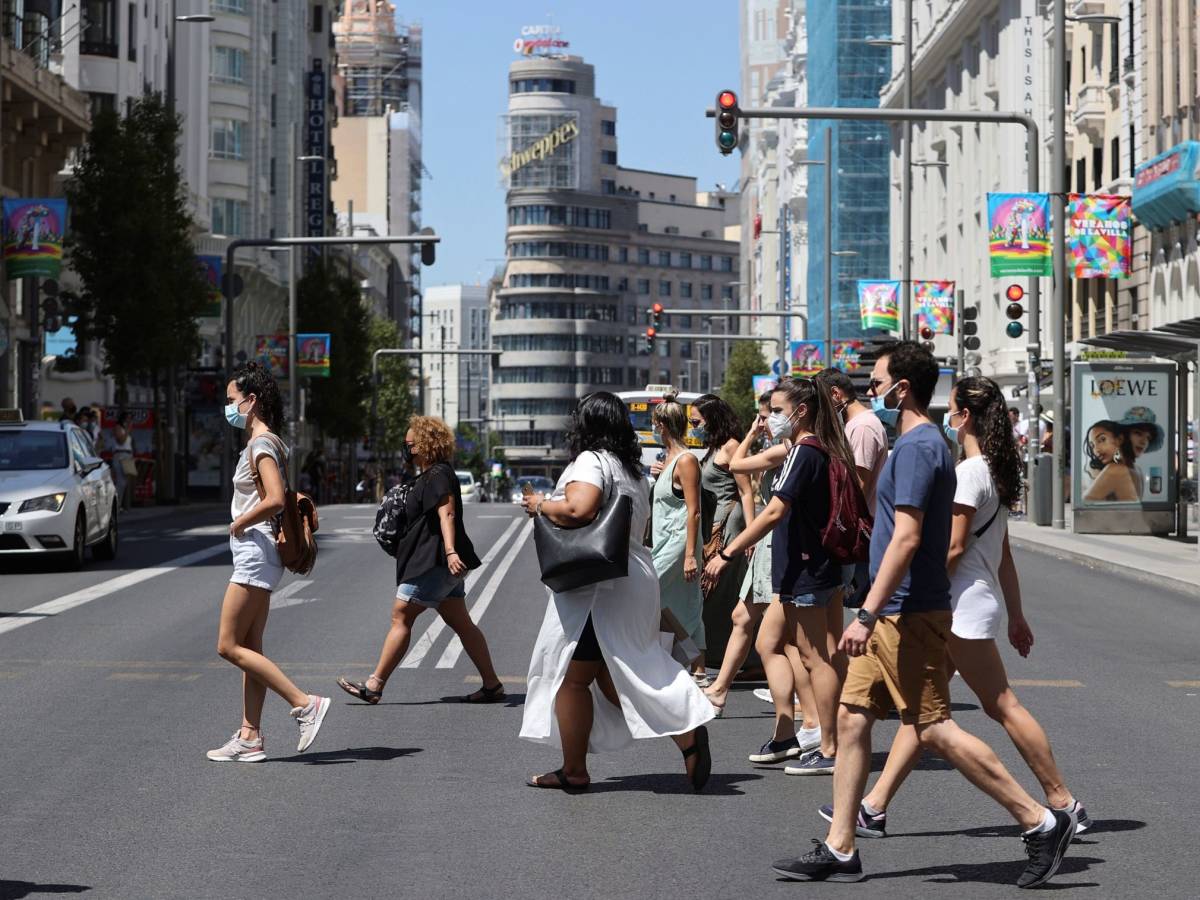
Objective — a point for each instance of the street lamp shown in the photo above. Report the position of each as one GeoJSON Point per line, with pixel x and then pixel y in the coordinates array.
{"type": "Point", "coordinates": [293, 376]}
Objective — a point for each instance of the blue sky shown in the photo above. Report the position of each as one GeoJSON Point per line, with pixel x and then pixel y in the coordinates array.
{"type": "Point", "coordinates": [660, 62]}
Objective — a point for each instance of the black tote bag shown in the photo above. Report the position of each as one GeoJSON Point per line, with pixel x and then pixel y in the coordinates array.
{"type": "Point", "coordinates": [572, 558]}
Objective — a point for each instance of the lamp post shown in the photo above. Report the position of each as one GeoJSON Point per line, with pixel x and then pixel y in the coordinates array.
{"type": "Point", "coordinates": [293, 375]}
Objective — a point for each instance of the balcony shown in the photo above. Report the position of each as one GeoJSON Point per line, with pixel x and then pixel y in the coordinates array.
{"type": "Point", "coordinates": [1091, 109]}
{"type": "Point", "coordinates": [1089, 8]}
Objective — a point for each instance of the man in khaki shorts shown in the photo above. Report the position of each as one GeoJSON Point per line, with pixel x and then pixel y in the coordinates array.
{"type": "Point", "coordinates": [897, 643]}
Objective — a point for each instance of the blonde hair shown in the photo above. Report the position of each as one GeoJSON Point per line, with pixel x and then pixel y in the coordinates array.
{"type": "Point", "coordinates": [671, 417]}
{"type": "Point", "coordinates": [432, 439]}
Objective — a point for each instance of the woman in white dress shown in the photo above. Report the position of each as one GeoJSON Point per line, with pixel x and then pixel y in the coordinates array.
{"type": "Point", "coordinates": [599, 677]}
{"type": "Point", "coordinates": [983, 586]}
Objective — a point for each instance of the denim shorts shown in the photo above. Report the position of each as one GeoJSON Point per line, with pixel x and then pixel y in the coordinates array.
{"type": "Point", "coordinates": [430, 588]}
{"type": "Point", "coordinates": [256, 560]}
{"type": "Point", "coordinates": [818, 599]}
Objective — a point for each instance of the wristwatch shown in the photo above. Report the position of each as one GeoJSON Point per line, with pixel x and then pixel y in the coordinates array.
{"type": "Point", "coordinates": [867, 618]}
{"type": "Point", "coordinates": [721, 553]}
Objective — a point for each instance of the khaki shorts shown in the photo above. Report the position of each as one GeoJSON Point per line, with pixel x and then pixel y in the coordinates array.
{"type": "Point", "coordinates": [905, 667]}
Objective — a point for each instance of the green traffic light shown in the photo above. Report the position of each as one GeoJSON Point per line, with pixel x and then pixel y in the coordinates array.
{"type": "Point", "coordinates": [1014, 329]}
{"type": "Point", "coordinates": [728, 140]}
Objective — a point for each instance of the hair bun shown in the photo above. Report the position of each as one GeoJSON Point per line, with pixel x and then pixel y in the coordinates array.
{"type": "Point", "coordinates": [670, 396]}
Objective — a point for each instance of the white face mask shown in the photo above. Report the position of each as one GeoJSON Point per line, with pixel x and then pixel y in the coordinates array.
{"type": "Point", "coordinates": [780, 426]}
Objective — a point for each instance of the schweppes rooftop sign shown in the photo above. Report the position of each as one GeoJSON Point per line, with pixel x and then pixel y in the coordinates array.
{"type": "Point", "coordinates": [543, 147]}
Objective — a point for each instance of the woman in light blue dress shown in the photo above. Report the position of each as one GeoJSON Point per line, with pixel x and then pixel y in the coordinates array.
{"type": "Point", "coordinates": [676, 525]}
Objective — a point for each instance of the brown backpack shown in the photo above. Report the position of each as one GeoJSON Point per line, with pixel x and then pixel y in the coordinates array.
{"type": "Point", "coordinates": [295, 526]}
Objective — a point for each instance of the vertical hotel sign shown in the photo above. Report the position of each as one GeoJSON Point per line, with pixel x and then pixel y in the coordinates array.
{"type": "Point", "coordinates": [315, 200]}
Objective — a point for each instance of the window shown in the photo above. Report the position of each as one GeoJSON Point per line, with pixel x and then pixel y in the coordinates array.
{"type": "Point", "coordinates": [576, 216]}
{"type": "Point", "coordinates": [664, 289]}
{"type": "Point", "coordinates": [643, 286]}
{"type": "Point", "coordinates": [1114, 158]}
{"type": "Point", "coordinates": [274, 47]}
{"type": "Point", "coordinates": [686, 321]}
{"type": "Point", "coordinates": [1081, 176]}
{"type": "Point", "coordinates": [706, 292]}
{"type": "Point", "coordinates": [318, 18]}
{"type": "Point", "coordinates": [273, 120]}
{"type": "Point", "coordinates": [608, 157]}
{"type": "Point", "coordinates": [558, 249]}
{"type": "Point", "coordinates": [664, 258]}
{"type": "Point", "coordinates": [230, 6]}
{"type": "Point", "coordinates": [727, 292]}
{"type": "Point", "coordinates": [1097, 167]}
{"type": "Point", "coordinates": [726, 263]}
{"type": "Point", "coordinates": [685, 260]}
{"type": "Point", "coordinates": [608, 186]}
{"type": "Point", "coordinates": [685, 290]}
{"type": "Point", "coordinates": [229, 217]}
{"type": "Point", "coordinates": [622, 285]}
{"type": "Point", "coordinates": [542, 86]}
{"type": "Point", "coordinates": [228, 139]}
{"type": "Point", "coordinates": [131, 50]}
{"type": "Point", "coordinates": [623, 255]}
{"type": "Point", "coordinates": [706, 262]}
{"type": "Point", "coordinates": [102, 102]}
{"type": "Point", "coordinates": [608, 127]}
{"type": "Point", "coordinates": [271, 175]}
{"type": "Point", "coordinates": [556, 279]}
{"type": "Point", "coordinates": [643, 256]}
{"type": "Point", "coordinates": [229, 65]}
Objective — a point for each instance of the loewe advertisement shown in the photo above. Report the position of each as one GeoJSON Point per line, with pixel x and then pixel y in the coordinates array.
{"type": "Point", "coordinates": [1122, 435]}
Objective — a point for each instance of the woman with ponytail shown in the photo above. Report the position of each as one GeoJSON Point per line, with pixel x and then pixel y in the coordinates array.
{"type": "Point", "coordinates": [807, 582]}
{"type": "Point", "coordinates": [982, 573]}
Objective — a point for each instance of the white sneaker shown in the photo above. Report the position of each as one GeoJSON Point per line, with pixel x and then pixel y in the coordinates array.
{"type": "Point", "coordinates": [764, 694]}
{"type": "Point", "coordinates": [309, 718]}
{"type": "Point", "coordinates": [237, 750]}
{"type": "Point", "coordinates": [809, 738]}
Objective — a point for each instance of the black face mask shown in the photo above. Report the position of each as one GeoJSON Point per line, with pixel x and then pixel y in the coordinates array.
{"type": "Point", "coordinates": [406, 453]}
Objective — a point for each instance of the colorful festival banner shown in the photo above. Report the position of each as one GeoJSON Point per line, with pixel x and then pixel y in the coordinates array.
{"type": "Point", "coordinates": [878, 301]}
{"type": "Point", "coordinates": [808, 358]}
{"type": "Point", "coordinates": [935, 305]}
{"type": "Point", "coordinates": [763, 383]}
{"type": "Point", "coordinates": [210, 269]}
{"type": "Point", "coordinates": [847, 355]}
{"type": "Point", "coordinates": [312, 355]}
{"type": "Point", "coordinates": [272, 350]}
{"type": "Point", "coordinates": [33, 237]}
{"type": "Point", "coordinates": [1099, 235]}
{"type": "Point", "coordinates": [1019, 234]}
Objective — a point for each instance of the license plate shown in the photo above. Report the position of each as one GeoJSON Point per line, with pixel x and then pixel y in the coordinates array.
{"type": "Point", "coordinates": [13, 526]}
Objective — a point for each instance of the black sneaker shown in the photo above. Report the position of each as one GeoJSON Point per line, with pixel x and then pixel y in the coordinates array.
{"type": "Point", "coordinates": [1046, 849]}
{"type": "Point", "coordinates": [867, 826]}
{"type": "Point", "coordinates": [820, 865]}
{"type": "Point", "coordinates": [777, 751]}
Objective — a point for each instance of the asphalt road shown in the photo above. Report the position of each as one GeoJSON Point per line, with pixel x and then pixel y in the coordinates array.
{"type": "Point", "coordinates": [111, 691]}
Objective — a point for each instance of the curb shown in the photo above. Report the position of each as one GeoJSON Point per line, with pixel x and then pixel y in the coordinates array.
{"type": "Point", "coordinates": [1155, 579]}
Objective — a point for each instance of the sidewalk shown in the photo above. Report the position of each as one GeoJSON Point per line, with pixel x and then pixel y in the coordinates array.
{"type": "Point", "coordinates": [1146, 558]}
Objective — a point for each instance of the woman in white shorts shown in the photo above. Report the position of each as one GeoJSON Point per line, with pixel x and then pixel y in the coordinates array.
{"type": "Point", "coordinates": [255, 407]}
{"type": "Point", "coordinates": [983, 586]}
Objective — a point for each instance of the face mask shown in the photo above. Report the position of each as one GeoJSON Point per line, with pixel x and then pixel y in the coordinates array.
{"type": "Point", "coordinates": [885, 415]}
{"type": "Point", "coordinates": [406, 452]}
{"type": "Point", "coordinates": [234, 416]}
{"type": "Point", "coordinates": [780, 426]}
{"type": "Point", "coordinates": [950, 431]}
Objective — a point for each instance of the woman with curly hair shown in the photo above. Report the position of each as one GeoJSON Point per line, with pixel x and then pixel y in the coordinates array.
{"type": "Point", "coordinates": [982, 573]}
{"type": "Point", "coordinates": [255, 407]}
{"type": "Point", "coordinates": [598, 677]}
{"type": "Point", "coordinates": [433, 556]}
{"type": "Point", "coordinates": [1111, 458]}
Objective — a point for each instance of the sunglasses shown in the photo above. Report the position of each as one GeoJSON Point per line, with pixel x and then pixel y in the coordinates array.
{"type": "Point", "coordinates": [874, 383]}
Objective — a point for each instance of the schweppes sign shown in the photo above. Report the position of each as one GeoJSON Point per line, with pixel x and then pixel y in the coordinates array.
{"type": "Point", "coordinates": [543, 147]}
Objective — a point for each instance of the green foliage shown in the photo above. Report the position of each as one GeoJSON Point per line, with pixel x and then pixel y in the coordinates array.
{"type": "Point", "coordinates": [395, 400]}
{"type": "Point", "coordinates": [469, 454]}
{"type": "Point", "coordinates": [745, 362]}
{"type": "Point", "coordinates": [327, 300]}
{"type": "Point", "coordinates": [130, 241]}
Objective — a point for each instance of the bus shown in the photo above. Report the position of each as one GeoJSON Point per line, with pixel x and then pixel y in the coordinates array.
{"type": "Point", "coordinates": [641, 404]}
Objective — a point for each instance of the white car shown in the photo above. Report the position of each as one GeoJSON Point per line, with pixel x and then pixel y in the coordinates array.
{"type": "Point", "coordinates": [56, 495]}
{"type": "Point", "coordinates": [466, 483]}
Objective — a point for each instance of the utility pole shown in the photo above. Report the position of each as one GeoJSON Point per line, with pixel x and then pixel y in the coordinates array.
{"type": "Point", "coordinates": [783, 259]}
{"type": "Point", "coordinates": [1058, 308]}
{"type": "Point", "coordinates": [443, 367]}
{"type": "Point", "coordinates": [960, 301]}
{"type": "Point", "coordinates": [906, 329]}
{"type": "Point", "coordinates": [828, 262]}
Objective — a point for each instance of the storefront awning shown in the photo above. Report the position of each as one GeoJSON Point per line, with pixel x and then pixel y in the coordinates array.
{"type": "Point", "coordinates": [1157, 342]}
{"type": "Point", "coordinates": [1166, 189]}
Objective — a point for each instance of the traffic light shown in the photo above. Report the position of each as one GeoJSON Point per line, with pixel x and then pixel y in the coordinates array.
{"type": "Point", "coordinates": [650, 335]}
{"type": "Point", "coordinates": [1014, 310]}
{"type": "Point", "coordinates": [926, 333]}
{"type": "Point", "coordinates": [51, 311]}
{"type": "Point", "coordinates": [727, 122]}
{"type": "Point", "coordinates": [656, 314]}
{"type": "Point", "coordinates": [970, 327]}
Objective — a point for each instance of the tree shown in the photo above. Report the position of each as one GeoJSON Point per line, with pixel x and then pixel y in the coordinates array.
{"type": "Point", "coordinates": [328, 301]}
{"type": "Point", "coordinates": [393, 391]}
{"type": "Point", "coordinates": [130, 242]}
{"type": "Point", "coordinates": [745, 362]}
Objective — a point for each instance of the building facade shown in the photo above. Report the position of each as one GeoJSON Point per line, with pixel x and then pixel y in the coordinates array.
{"type": "Point", "coordinates": [457, 317]}
{"type": "Point", "coordinates": [591, 245]}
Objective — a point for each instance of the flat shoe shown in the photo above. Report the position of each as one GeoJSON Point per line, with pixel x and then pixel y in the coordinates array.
{"type": "Point", "coordinates": [562, 783]}
{"type": "Point", "coordinates": [486, 695]}
{"type": "Point", "coordinates": [360, 690]}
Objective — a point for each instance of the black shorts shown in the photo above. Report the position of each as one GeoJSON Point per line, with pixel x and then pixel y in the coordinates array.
{"type": "Point", "coordinates": [588, 648]}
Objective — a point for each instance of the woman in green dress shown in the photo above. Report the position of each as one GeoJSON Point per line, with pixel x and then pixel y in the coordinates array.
{"type": "Point", "coordinates": [676, 525]}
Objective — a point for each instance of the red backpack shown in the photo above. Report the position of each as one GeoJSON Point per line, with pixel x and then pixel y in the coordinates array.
{"type": "Point", "coordinates": [846, 537]}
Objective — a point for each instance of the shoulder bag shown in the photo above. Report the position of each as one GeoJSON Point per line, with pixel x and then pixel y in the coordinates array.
{"type": "Point", "coordinates": [295, 527]}
{"type": "Point", "coordinates": [572, 558]}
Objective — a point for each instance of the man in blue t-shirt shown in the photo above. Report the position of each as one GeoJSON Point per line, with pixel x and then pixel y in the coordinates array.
{"type": "Point", "coordinates": [897, 643]}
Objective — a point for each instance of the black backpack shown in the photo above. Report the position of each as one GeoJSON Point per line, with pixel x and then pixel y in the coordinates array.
{"type": "Point", "coordinates": [391, 518]}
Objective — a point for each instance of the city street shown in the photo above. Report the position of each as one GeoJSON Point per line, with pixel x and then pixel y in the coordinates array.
{"type": "Point", "coordinates": [111, 692]}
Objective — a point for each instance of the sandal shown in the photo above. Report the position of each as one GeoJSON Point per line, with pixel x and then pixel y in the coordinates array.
{"type": "Point", "coordinates": [360, 690]}
{"type": "Point", "coordinates": [486, 695]}
{"type": "Point", "coordinates": [700, 750]}
{"type": "Point", "coordinates": [561, 785]}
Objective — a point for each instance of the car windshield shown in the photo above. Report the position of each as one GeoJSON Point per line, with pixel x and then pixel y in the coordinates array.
{"type": "Point", "coordinates": [464, 479]}
{"type": "Point", "coordinates": [22, 450]}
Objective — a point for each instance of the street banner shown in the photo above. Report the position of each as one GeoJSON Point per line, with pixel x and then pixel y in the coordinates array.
{"type": "Point", "coordinates": [847, 355]}
{"type": "Point", "coordinates": [312, 355]}
{"type": "Point", "coordinates": [210, 268]}
{"type": "Point", "coordinates": [935, 305]}
{"type": "Point", "coordinates": [272, 350]}
{"type": "Point", "coordinates": [763, 383]}
{"type": "Point", "coordinates": [878, 302]}
{"type": "Point", "coordinates": [33, 237]}
{"type": "Point", "coordinates": [1019, 234]}
{"type": "Point", "coordinates": [1099, 241]}
{"type": "Point", "coordinates": [807, 358]}
{"type": "Point", "coordinates": [1123, 435]}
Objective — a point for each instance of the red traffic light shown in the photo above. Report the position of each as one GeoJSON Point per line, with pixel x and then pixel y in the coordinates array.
{"type": "Point", "coordinates": [650, 333]}
{"type": "Point", "coordinates": [727, 100]}
{"type": "Point", "coordinates": [657, 309]}
{"type": "Point", "coordinates": [927, 332]}
{"type": "Point", "coordinates": [1015, 292]}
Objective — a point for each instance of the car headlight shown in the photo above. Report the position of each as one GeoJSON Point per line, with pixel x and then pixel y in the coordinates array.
{"type": "Point", "coordinates": [49, 503]}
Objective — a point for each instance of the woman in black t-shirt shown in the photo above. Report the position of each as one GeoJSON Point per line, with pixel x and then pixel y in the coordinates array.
{"type": "Point", "coordinates": [432, 559]}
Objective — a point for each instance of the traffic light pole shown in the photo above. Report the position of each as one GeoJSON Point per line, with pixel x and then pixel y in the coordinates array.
{"type": "Point", "coordinates": [960, 301]}
{"type": "Point", "coordinates": [908, 116]}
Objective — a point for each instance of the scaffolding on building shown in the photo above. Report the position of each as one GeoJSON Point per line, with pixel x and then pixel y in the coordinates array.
{"type": "Point", "coordinates": [377, 59]}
